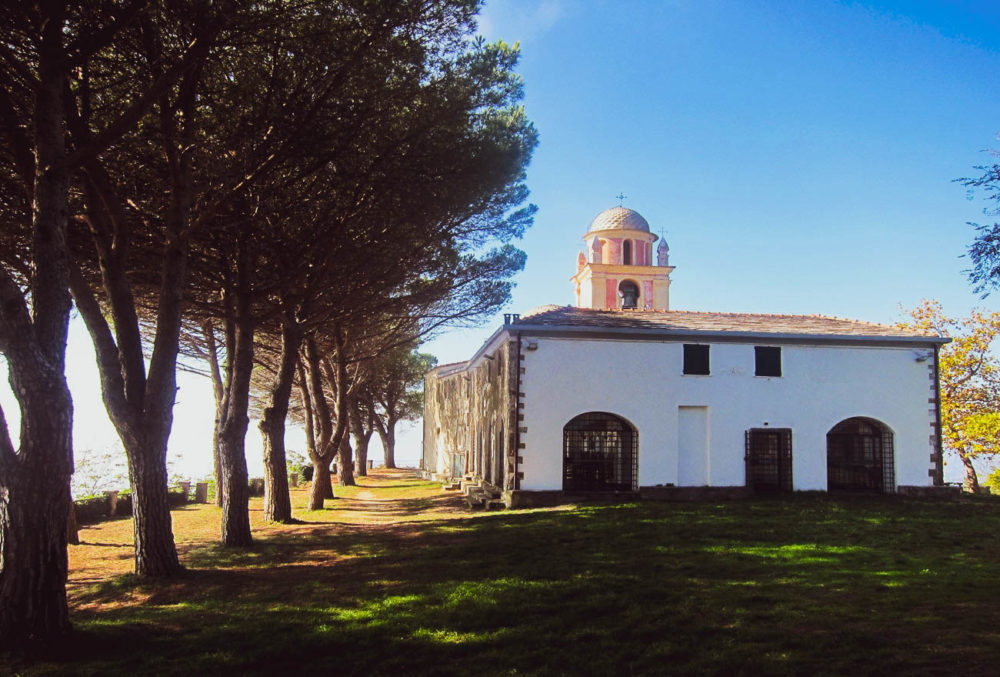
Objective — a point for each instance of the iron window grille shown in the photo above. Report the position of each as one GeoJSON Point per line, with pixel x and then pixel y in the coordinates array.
{"type": "Point", "coordinates": [767, 361]}
{"type": "Point", "coordinates": [769, 459]}
{"type": "Point", "coordinates": [859, 457]}
{"type": "Point", "coordinates": [600, 453]}
{"type": "Point", "coordinates": [696, 359]}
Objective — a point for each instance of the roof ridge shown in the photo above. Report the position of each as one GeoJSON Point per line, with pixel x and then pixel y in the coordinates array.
{"type": "Point", "coordinates": [739, 314]}
{"type": "Point", "coordinates": [719, 321]}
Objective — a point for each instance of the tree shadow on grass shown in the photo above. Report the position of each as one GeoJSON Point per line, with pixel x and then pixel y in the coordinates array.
{"type": "Point", "coordinates": [784, 585]}
{"type": "Point", "coordinates": [107, 545]}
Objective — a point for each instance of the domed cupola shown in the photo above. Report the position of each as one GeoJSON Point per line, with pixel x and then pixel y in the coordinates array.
{"type": "Point", "coordinates": [619, 218]}
{"type": "Point", "coordinates": [620, 236]}
{"type": "Point", "coordinates": [619, 271]}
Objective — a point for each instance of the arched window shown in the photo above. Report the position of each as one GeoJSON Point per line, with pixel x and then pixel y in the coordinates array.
{"type": "Point", "coordinates": [859, 457]}
{"type": "Point", "coordinates": [629, 293]}
{"type": "Point", "coordinates": [627, 252]}
{"type": "Point", "coordinates": [600, 453]}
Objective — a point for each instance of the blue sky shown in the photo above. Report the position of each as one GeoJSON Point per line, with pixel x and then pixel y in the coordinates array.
{"type": "Point", "coordinates": [799, 156]}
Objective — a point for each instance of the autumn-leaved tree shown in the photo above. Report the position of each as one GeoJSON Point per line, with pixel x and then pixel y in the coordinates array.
{"type": "Point", "coordinates": [970, 383]}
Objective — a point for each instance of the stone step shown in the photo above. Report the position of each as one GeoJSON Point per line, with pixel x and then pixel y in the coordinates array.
{"type": "Point", "coordinates": [494, 504]}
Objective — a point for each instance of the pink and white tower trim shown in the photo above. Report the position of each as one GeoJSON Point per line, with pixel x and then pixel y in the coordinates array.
{"type": "Point", "coordinates": [618, 271]}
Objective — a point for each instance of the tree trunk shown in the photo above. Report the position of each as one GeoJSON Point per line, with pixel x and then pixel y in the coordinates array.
{"type": "Point", "coordinates": [331, 468]}
{"type": "Point", "coordinates": [323, 451]}
{"type": "Point", "coordinates": [971, 483]}
{"type": "Point", "coordinates": [35, 479]}
{"type": "Point", "coordinates": [307, 410]}
{"type": "Point", "coordinates": [387, 434]}
{"type": "Point", "coordinates": [277, 502]}
{"type": "Point", "coordinates": [139, 401]}
{"type": "Point", "coordinates": [218, 394]}
{"type": "Point", "coordinates": [345, 464]}
{"type": "Point", "coordinates": [72, 528]}
{"type": "Point", "coordinates": [152, 528]}
{"type": "Point", "coordinates": [321, 486]}
{"type": "Point", "coordinates": [362, 428]}
{"type": "Point", "coordinates": [235, 487]}
{"type": "Point", "coordinates": [340, 440]}
{"type": "Point", "coordinates": [217, 461]}
{"type": "Point", "coordinates": [34, 498]}
{"type": "Point", "coordinates": [361, 453]}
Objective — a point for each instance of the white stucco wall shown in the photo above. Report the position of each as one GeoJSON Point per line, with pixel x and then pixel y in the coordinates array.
{"type": "Point", "coordinates": [642, 382]}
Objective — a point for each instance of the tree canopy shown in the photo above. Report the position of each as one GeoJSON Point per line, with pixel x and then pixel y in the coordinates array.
{"type": "Point", "coordinates": [340, 174]}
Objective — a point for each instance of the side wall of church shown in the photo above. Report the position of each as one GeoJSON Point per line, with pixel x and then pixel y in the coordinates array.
{"type": "Point", "coordinates": [446, 412]}
{"type": "Point", "coordinates": [642, 382]}
{"type": "Point", "coordinates": [470, 419]}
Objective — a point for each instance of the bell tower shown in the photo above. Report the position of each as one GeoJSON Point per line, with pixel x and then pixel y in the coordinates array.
{"type": "Point", "coordinates": [617, 270]}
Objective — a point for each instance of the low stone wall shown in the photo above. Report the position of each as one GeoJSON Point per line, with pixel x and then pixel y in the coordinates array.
{"type": "Point", "coordinates": [117, 504]}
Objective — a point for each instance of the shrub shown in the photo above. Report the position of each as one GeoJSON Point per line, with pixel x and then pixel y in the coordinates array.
{"type": "Point", "coordinates": [91, 509]}
{"type": "Point", "coordinates": [124, 508]}
{"type": "Point", "coordinates": [176, 498]}
{"type": "Point", "coordinates": [306, 473]}
{"type": "Point", "coordinates": [993, 482]}
{"type": "Point", "coordinates": [294, 462]}
{"type": "Point", "coordinates": [256, 486]}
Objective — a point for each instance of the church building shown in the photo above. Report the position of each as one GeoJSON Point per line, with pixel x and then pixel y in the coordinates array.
{"type": "Point", "coordinates": [620, 394]}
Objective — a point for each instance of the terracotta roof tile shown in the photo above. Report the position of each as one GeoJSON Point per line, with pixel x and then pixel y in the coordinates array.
{"type": "Point", "coordinates": [680, 321]}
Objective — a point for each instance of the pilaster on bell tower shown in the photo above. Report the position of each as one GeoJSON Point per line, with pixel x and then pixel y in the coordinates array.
{"type": "Point", "coordinates": [618, 271]}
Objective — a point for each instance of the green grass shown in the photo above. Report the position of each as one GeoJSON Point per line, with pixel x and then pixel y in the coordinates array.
{"type": "Point", "coordinates": [806, 584]}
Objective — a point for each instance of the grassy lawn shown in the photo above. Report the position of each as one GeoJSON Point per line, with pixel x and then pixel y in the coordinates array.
{"type": "Point", "coordinates": [397, 578]}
